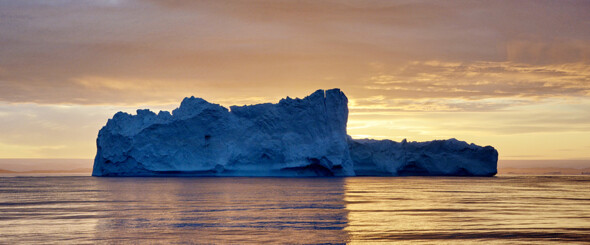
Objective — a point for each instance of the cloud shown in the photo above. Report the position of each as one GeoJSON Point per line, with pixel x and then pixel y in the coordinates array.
{"type": "Point", "coordinates": [478, 86]}
{"type": "Point", "coordinates": [551, 51]}
{"type": "Point", "coordinates": [507, 73]}
{"type": "Point", "coordinates": [549, 116]}
{"type": "Point", "coordinates": [233, 48]}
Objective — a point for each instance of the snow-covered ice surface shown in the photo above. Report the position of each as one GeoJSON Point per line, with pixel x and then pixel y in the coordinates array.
{"type": "Point", "coordinates": [295, 137]}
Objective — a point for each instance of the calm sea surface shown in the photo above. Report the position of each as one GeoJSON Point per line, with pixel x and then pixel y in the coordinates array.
{"type": "Point", "coordinates": [503, 210]}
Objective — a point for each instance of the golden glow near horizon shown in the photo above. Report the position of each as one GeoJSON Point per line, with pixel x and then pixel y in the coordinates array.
{"type": "Point", "coordinates": [482, 72]}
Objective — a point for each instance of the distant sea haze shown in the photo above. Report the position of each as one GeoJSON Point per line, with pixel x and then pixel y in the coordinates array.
{"type": "Point", "coordinates": [46, 165]}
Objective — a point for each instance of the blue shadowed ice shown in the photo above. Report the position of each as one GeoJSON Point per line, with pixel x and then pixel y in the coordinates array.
{"type": "Point", "coordinates": [296, 137]}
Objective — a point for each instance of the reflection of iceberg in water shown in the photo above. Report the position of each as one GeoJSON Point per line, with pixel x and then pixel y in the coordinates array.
{"type": "Point", "coordinates": [222, 210]}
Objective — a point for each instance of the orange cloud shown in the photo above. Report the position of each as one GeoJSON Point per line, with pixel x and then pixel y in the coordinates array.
{"type": "Point", "coordinates": [436, 85]}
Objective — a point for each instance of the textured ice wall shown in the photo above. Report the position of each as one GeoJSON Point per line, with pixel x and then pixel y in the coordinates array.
{"type": "Point", "coordinates": [296, 137]}
{"type": "Point", "coordinates": [439, 158]}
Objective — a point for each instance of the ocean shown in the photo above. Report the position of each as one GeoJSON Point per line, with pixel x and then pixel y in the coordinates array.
{"type": "Point", "coordinates": [358, 210]}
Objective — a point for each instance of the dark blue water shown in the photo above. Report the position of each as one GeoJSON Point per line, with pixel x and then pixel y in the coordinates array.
{"type": "Point", "coordinates": [503, 210]}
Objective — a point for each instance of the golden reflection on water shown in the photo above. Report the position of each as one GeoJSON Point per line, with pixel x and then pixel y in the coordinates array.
{"type": "Point", "coordinates": [468, 210]}
{"type": "Point", "coordinates": [46, 210]}
{"type": "Point", "coordinates": [504, 210]}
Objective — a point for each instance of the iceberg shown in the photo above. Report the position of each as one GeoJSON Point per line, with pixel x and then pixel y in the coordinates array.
{"type": "Point", "coordinates": [295, 137]}
{"type": "Point", "coordinates": [434, 158]}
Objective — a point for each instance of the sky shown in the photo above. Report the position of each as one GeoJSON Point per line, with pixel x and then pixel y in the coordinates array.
{"type": "Point", "coordinates": [511, 74]}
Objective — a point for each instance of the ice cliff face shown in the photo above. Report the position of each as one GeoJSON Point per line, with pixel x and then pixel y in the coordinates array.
{"type": "Point", "coordinates": [296, 137]}
{"type": "Point", "coordinates": [434, 158]}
